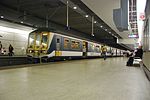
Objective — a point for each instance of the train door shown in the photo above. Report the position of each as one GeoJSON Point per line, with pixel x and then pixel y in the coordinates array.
{"type": "Point", "coordinates": [44, 42]}
{"type": "Point", "coordinates": [37, 44]}
{"type": "Point", "coordinates": [58, 46]}
{"type": "Point", "coordinates": [85, 48]}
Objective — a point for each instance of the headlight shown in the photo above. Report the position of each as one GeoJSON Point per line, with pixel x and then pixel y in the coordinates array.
{"type": "Point", "coordinates": [30, 51]}
{"type": "Point", "coordinates": [44, 51]}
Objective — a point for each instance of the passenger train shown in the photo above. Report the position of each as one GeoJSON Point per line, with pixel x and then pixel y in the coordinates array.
{"type": "Point", "coordinates": [47, 45]}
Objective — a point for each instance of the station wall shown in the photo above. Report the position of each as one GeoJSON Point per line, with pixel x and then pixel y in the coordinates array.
{"type": "Point", "coordinates": [18, 41]}
{"type": "Point", "coordinates": [16, 35]}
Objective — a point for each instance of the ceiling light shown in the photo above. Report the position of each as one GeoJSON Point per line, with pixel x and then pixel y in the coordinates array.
{"type": "Point", "coordinates": [95, 22]}
{"type": "Point", "coordinates": [2, 16]}
{"type": "Point", "coordinates": [74, 7]}
{"type": "Point", "coordinates": [86, 16]}
{"type": "Point", "coordinates": [21, 22]}
{"type": "Point", "coordinates": [101, 26]}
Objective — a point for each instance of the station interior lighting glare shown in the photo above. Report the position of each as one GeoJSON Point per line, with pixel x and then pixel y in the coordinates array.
{"type": "Point", "coordinates": [101, 26]}
{"type": "Point", "coordinates": [86, 16]}
{"type": "Point", "coordinates": [7, 29]}
{"type": "Point", "coordinates": [95, 22]}
{"type": "Point", "coordinates": [2, 16]}
{"type": "Point", "coordinates": [74, 7]}
{"type": "Point", "coordinates": [21, 22]}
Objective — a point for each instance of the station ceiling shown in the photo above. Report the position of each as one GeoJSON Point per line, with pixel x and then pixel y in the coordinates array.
{"type": "Point", "coordinates": [53, 13]}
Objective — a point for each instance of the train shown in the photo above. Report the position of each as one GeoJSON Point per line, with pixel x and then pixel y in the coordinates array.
{"type": "Point", "coordinates": [47, 44]}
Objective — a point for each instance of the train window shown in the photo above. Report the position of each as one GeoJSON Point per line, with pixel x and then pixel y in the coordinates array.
{"type": "Point", "coordinates": [92, 47]}
{"type": "Point", "coordinates": [66, 43]}
{"type": "Point", "coordinates": [44, 40]}
{"type": "Point", "coordinates": [38, 39]}
{"type": "Point", "coordinates": [75, 45]}
{"type": "Point", "coordinates": [31, 40]}
{"type": "Point", "coordinates": [97, 48]}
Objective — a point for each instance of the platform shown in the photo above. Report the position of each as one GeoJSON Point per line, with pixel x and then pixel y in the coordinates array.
{"type": "Point", "coordinates": [90, 79]}
{"type": "Point", "coordinates": [146, 60]}
{"type": "Point", "coordinates": [146, 63]}
{"type": "Point", "coordinates": [13, 60]}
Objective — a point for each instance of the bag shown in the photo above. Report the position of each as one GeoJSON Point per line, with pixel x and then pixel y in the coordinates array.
{"type": "Point", "coordinates": [130, 61]}
{"type": "Point", "coordinates": [137, 61]}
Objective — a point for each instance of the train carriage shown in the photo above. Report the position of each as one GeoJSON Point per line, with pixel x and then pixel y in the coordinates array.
{"type": "Point", "coordinates": [47, 45]}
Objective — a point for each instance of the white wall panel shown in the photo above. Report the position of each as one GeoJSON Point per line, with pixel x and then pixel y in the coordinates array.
{"type": "Point", "coordinates": [18, 40]}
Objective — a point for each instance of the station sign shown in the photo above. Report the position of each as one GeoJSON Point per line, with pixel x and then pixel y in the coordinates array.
{"type": "Point", "coordinates": [142, 16]}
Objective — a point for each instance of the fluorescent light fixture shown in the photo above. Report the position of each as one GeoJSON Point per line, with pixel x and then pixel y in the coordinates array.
{"type": "Point", "coordinates": [7, 29]}
{"type": "Point", "coordinates": [86, 16]}
{"type": "Point", "coordinates": [74, 7]}
{"type": "Point", "coordinates": [133, 36]}
{"type": "Point", "coordinates": [2, 16]}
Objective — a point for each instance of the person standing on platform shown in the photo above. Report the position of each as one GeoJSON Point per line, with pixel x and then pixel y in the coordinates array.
{"type": "Point", "coordinates": [10, 50]}
{"type": "Point", "coordinates": [1, 47]}
{"type": "Point", "coordinates": [104, 51]}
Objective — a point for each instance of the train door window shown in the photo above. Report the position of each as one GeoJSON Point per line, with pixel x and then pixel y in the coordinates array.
{"type": "Point", "coordinates": [31, 40]}
{"type": "Point", "coordinates": [58, 43]}
{"type": "Point", "coordinates": [58, 40]}
{"type": "Point", "coordinates": [44, 40]}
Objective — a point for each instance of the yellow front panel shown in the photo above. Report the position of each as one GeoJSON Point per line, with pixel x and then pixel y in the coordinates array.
{"type": "Point", "coordinates": [58, 53]}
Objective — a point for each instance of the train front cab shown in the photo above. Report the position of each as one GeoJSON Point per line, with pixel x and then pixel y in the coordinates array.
{"type": "Point", "coordinates": [37, 45]}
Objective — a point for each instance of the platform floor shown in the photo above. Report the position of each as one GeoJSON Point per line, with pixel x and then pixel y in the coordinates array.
{"type": "Point", "coordinates": [92, 79]}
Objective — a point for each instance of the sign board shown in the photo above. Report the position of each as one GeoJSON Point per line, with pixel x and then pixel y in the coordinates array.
{"type": "Point", "coordinates": [142, 16]}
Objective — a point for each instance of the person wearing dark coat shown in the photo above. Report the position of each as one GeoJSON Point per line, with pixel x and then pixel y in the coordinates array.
{"type": "Point", "coordinates": [11, 50]}
{"type": "Point", "coordinates": [139, 52]}
{"type": "Point", "coordinates": [0, 47]}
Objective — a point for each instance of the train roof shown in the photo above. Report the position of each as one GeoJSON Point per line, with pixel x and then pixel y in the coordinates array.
{"type": "Point", "coordinates": [44, 29]}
